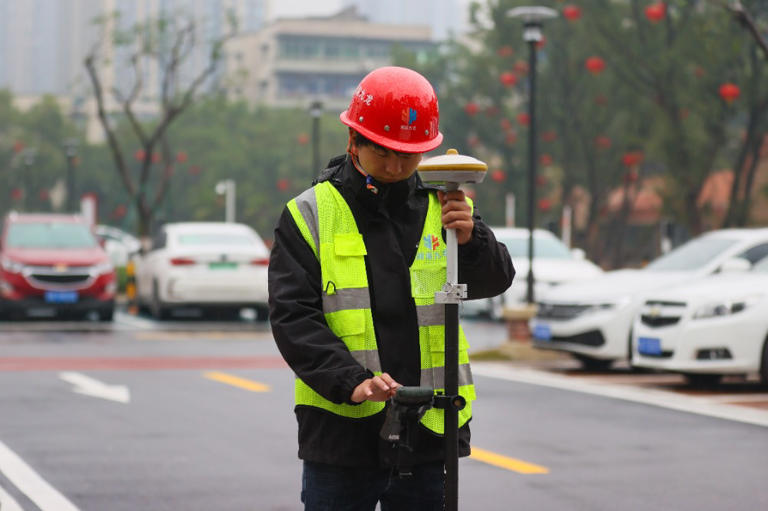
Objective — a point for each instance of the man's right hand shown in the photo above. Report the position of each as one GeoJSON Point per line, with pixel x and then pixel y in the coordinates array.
{"type": "Point", "coordinates": [378, 388]}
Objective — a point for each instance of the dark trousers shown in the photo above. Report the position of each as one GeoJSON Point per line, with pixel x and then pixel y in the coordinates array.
{"type": "Point", "coordinates": [330, 488]}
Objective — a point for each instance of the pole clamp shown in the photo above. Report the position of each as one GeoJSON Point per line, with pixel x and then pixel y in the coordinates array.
{"type": "Point", "coordinates": [444, 402]}
{"type": "Point", "coordinates": [451, 293]}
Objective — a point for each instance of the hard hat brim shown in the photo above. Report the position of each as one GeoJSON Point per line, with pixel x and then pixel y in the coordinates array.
{"type": "Point", "coordinates": [395, 145]}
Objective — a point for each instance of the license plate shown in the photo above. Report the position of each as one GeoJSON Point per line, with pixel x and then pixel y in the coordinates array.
{"type": "Point", "coordinates": [541, 332]}
{"type": "Point", "coordinates": [61, 296]}
{"type": "Point", "coordinates": [649, 346]}
{"type": "Point", "coordinates": [222, 266]}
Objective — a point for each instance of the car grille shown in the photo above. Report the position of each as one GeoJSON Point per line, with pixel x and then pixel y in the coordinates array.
{"type": "Point", "coordinates": [50, 278]}
{"type": "Point", "coordinates": [560, 311]}
{"type": "Point", "coordinates": [591, 338]}
{"type": "Point", "coordinates": [657, 313]}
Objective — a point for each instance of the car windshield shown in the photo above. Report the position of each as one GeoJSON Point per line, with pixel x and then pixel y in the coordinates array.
{"type": "Point", "coordinates": [216, 238]}
{"type": "Point", "coordinates": [50, 235]}
{"type": "Point", "coordinates": [692, 255]}
{"type": "Point", "coordinates": [761, 266]}
{"type": "Point", "coordinates": [548, 248]}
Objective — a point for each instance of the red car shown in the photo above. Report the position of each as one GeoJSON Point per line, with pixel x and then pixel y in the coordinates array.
{"type": "Point", "coordinates": [52, 265]}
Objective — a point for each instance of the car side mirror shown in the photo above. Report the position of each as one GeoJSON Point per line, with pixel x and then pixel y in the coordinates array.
{"type": "Point", "coordinates": [578, 254]}
{"type": "Point", "coordinates": [735, 264]}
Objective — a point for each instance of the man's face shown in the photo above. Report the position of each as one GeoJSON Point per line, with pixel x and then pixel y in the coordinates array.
{"type": "Point", "coordinates": [385, 165]}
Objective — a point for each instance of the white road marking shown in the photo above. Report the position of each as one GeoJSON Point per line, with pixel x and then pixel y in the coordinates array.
{"type": "Point", "coordinates": [95, 388]}
{"type": "Point", "coordinates": [654, 397]}
{"type": "Point", "coordinates": [133, 322]}
{"type": "Point", "coordinates": [29, 482]}
{"type": "Point", "coordinates": [7, 503]}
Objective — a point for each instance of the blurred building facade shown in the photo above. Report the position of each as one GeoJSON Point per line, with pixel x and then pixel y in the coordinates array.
{"type": "Point", "coordinates": [294, 61]}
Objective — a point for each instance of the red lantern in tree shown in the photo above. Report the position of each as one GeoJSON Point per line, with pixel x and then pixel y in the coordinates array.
{"type": "Point", "coordinates": [546, 160]}
{"type": "Point", "coordinates": [630, 176]}
{"type": "Point", "coordinates": [283, 184]}
{"type": "Point", "coordinates": [510, 138]}
{"type": "Point", "coordinates": [572, 12]}
{"type": "Point", "coordinates": [119, 211]}
{"type": "Point", "coordinates": [729, 92]}
{"type": "Point", "coordinates": [471, 108]}
{"type": "Point", "coordinates": [473, 141]}
{"type": "Point", "coordinates": [601, 100]}
{"type": "Point", "coordinates": [541, 42]}
{"type": "Point", "coordinates": [17, 194]}
{"type": "Point", "coordinates": [544, 204]}
{"type": "Point", "coordinates": [505, 51]}
{"type": "Point", "coordinates": [595, 65]}
{"type": "Point", "coordinates": [656, 12]}
{"type": "Point", "coordinates": [524, 119]}
{"type": "Point", "coordinates": [508, 78]}
{"type": "Point", "coordinates": [498, 175]}
{"type": "Point", "coordinates": [18, 147]}
{"type": "Point", "coordinates": [602, 142]}
{"type": "Point", "coordinates": [194, 170]}
{"type": "Point", "coordinates": [181, 157]}
{"type": "Point", "coordinates": [541, 180]}
{"type": "Point", "coordinates": [302, 139]}
{"type": "Point", "coordinates": [155, 157]}
{"type": "Point", "coordinates": [140, 154]}
{"type": "Point", "coordinates": [549, 136]}
{"type": "Point", "coordinates": [505, 124]}
{"type": "Point", "coordinates": [492, 111]}
{"type": "Point", "coordinates": [699, 71]}
{"type": "Point", "coordinates": [632, 158]}
{"type": "Point", "coordinates": [521, 67]}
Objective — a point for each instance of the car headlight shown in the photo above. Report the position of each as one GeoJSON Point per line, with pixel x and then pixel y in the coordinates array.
{"type": "Point", "coordinates": [101, 269]}
{"type": "Point", "coordinates": [725, 307]}
{"type": "Point", "coordinates": [11, 266]}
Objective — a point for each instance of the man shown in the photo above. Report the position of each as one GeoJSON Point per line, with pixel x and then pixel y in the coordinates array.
{"type": "Point", "coordinates": [356, 261]}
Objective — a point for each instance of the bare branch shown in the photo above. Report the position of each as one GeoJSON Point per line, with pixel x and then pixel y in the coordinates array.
{"type": "Point", "coordinates": [746, 20]}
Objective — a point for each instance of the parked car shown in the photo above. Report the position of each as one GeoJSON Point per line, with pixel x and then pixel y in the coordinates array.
{"type": "Point", "coordinates": [52, 265]}
{"type": "Point", "coordinates": [553, 264]}
{"type": "Point", "coordinates": [707, 329]}
{"type": "Point", "coordinates": [592, 319]}
{"type": "Point", "coordinates": [208, 265]}
{"type": "Point", "coordinates": [118, 244]}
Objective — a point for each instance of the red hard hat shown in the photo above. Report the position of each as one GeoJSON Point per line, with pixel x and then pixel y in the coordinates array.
{"type": "Point", "coordinates": [396, 108]}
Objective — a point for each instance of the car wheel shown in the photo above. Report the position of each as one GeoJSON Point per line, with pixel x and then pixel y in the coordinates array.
{"type": "Point", "coordinates": [764, 364]}
{"type": "Point", "coordinates": [702, 381]}
{"type": "Point", "coordinates": [593, 364]}
{"type": "Point", "coordinates": [159, 311]}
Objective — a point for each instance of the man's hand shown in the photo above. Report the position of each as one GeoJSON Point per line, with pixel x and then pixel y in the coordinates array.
{"type": "Point", "coordinates": [457, 215]}
{"type": "Point", "coordinates": [378, 388]}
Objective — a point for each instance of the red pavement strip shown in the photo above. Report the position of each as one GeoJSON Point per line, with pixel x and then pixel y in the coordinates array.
{"type": "Point", "coordinates": [137, 363]}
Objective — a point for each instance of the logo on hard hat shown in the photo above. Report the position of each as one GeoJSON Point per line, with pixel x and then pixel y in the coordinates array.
{"type": "Point", "coordinates": [409, 116]}
{"type": "Point", "coordinates": [432, 242]}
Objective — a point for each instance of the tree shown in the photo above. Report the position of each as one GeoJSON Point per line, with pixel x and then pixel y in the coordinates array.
{"type": "Point", "coordinates": [164, 44]}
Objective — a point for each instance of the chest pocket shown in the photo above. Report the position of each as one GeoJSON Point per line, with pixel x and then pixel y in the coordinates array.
{"type": "Point", "coordinates": [344, 262]}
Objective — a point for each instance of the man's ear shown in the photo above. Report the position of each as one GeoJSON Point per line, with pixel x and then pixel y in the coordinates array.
{"type": "Point", "coordinates": [351, 146]}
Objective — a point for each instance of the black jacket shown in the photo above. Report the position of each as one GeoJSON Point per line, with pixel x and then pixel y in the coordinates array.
{"type": "Point", "coordinates": [391, 223]}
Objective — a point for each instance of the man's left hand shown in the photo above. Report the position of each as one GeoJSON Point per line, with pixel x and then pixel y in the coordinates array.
{"type": "Point", "coordinates": [457, 214]}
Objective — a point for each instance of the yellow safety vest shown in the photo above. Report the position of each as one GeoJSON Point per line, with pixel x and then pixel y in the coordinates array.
{"type": "Point", "coordinates": [329, 228]}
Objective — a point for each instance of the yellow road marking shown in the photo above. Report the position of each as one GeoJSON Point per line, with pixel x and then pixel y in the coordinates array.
{"type": "Point", "coordinates": [497, 460]}
{"type": "Point", "coordinates": [236, 381]}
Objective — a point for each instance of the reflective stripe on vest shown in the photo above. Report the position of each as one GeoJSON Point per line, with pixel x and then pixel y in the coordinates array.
{"type": "Point", "coordinates": [328, 226]}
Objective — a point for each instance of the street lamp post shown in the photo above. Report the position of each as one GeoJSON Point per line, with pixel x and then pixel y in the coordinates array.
{"type": "Point", "coordinates": [70, 148]}
{"type": "Point", "coordinates": [315, 110]}
{"type": "Point", "coordinates": [227, 188]}
{"type": "Point", "coordinates": [533, 18]}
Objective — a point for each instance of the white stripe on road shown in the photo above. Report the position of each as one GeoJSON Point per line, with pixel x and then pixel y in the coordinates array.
{"type": "Point", "coordinates": [134, 322]}
{"type": "Point", "coordinates": [7, 503]}
{"type": "Point", "coordinates": [661, 398]}
{"type": "Point", "coordinates": [29, 482]}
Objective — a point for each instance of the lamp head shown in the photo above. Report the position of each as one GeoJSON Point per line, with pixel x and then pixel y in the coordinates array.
{"type": "Point", "coordinates": [533, 17]}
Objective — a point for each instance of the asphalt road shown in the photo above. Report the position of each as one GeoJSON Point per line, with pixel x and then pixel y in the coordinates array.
{"type": "Point", "coordinates": [208, 425]}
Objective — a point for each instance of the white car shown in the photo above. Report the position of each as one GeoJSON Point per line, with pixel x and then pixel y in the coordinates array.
{"type": "Point", "coordinates": [553, 264]}
{"type": "Point", "coordinates": [707, 329]}
{"type": "Point", "coordinates": [593, 319]}
{"type": "Point", "coordinates": [210, 265]}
